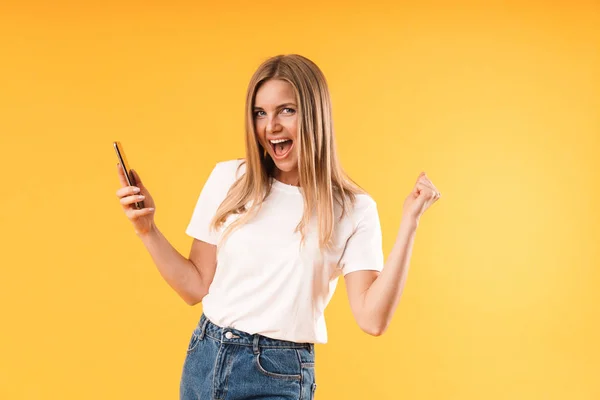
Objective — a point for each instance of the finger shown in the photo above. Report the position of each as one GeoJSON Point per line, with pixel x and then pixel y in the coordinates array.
{"type": "Point", "coordinates": [134, 214]}
{"type": "Point", "coordinates": [425, 181]}
{"type": "Point", "coordinates": [131, 199]}
{"type": "Point", "coordinates": [423, 178]}
{"type": "Point", "coordinates": [426, 191]}
{"type": "Point", "coordinates": [431, 191]}
{"type": "Point", "coordinates": [127, 191]}
{"type": "Point", "coordinates": [429, 185]}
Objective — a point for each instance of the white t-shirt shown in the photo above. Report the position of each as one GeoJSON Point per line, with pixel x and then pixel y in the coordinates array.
{"type": "Point", "coordinates": [264, 282]}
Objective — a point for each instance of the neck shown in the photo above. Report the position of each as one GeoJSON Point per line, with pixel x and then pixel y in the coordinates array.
{"type": "Point", "coordinates": [289, 178]}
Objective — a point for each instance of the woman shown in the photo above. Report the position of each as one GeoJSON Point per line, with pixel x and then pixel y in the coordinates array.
{"type": "Point", "coordinates": [282, 225]}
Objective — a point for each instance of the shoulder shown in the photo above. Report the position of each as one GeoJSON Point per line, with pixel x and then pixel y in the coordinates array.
{"type": "Point", "coordinates": [226, 172]}
{"type": "Point", "coordinates": [223, 176]}
{"type": "Point", "coordinates": [364, 210]}
{"type": "Point", "coordinates": [363, 204]}
{"type": "Point", "coordinates": [364, 201]}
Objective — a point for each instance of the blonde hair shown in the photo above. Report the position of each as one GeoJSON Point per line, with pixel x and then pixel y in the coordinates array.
{"type": "Point", "coordinates": [322, 179]}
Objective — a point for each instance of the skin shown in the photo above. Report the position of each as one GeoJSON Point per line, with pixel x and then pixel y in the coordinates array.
{"type": "Point", "coordinates": [374, 296]}
{"type": "Point", "coordinates": [276, 117]}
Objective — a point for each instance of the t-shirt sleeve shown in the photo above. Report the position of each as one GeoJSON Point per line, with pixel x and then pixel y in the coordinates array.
{"type": "Point", "coordinates": [206, 208]}
{"type": "Point", "coordinates": [364, 246]}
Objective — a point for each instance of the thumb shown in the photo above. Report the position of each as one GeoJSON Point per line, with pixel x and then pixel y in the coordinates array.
{"type": "Point", "coordinates": [419, 190]}
{"type": "Point", "coordinates": [136, 177]}
{"type": "Point", "coordinates": [416, 190]}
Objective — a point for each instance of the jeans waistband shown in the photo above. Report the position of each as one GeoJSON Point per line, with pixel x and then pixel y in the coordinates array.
{"type": "Point", "coordinates": [235, 336]}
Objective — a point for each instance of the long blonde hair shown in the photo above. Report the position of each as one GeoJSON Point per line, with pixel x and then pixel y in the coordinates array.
{"type": "Point", "coordinates": [322, 179]}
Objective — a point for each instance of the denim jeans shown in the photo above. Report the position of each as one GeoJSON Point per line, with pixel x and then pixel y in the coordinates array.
{"type": "Point", "coordinates": [229, 364]}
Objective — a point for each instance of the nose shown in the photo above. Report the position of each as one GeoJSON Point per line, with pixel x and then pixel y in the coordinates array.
{"type": "Point", "coordinates": [272, 124]}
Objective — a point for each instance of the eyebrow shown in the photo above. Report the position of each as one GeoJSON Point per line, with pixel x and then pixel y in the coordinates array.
{"type": "Point", "coordinates": [279, 106]}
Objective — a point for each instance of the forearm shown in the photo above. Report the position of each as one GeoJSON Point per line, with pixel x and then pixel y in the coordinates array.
{"type": "Point", "coordinates": [383, 296]}
{"type": "Point", "coordinates": [179, 272]}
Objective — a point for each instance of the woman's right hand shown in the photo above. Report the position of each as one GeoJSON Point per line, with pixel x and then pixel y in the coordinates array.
{"type": "Point", "coordinates": [142, 220]}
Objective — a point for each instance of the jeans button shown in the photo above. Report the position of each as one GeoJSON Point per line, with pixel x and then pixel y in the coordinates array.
{"type": "Point", "coordinates": [228, 335]}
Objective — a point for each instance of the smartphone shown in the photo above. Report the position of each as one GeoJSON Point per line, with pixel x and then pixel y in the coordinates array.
{"type": "Point", "coordinates": [126, 170]}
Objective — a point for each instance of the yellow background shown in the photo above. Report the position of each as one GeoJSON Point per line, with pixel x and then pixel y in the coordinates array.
{"type": "Point", "coordinates": [497, 101]}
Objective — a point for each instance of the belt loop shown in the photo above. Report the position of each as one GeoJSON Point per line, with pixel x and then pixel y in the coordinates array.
{"type": "Point", "coordinates": [255, 347]}
{"type": "Point", "coordinates": [203, 328]}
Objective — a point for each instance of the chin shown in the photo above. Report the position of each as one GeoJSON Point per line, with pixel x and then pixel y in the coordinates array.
{"type": "Point", "coordinates": [286, 165]}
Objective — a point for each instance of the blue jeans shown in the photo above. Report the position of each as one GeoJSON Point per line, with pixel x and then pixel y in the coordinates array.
{"type": "Point", "coordinates": [228, 364]}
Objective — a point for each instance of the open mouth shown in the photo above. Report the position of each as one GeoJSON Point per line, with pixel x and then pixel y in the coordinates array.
{"type": "Point", "coordinates": [281, 147]}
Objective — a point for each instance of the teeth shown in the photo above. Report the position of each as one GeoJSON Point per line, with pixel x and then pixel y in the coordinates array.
{"type": "Point", "coordinates": [279, 141]}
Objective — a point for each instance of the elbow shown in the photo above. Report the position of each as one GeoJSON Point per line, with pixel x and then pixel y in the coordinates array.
{"type": "Point", "coordinates": [375, 329]}
{"type": "Point", "coordinates": [374, 332]}
{"type": "Point", "coordinates": [192, 300]}
{"type": "Point", "coordinates": [194, 296]}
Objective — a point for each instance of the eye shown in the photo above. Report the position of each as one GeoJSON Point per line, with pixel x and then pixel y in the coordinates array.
{"type": "Point", "coordinates": [289, 110]}
{"type": "Point", "coordinates": [258, 113]}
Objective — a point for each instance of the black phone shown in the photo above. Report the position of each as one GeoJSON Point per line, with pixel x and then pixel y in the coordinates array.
{"type": "Point", "coordinates": [126, 170]}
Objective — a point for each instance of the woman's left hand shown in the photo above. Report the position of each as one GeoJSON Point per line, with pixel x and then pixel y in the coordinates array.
{"type": "Point", "coordinates": [421, 198]}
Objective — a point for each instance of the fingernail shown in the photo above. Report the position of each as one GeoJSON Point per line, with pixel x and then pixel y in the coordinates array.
{"type": "Point", "coordinates": [136, 189]}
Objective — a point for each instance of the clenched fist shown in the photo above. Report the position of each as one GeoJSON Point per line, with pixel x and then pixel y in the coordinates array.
{"type": "Point", "coordinates": [421, 198]}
